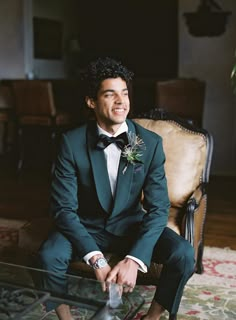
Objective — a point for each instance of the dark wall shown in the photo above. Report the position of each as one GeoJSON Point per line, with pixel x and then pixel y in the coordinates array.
{"type": "Point", "coordinates": [143, 34]}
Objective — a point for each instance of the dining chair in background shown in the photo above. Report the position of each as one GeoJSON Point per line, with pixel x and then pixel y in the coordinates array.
{"type": "Point", "coordinates": [6, 116]}
{"type": "Point", "coordinates": [37, 118]}
{"type": "Point", "coordinates": [183, 97]}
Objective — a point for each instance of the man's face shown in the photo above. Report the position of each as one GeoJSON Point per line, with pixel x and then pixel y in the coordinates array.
{"type": "Point", "coordinates": [112, 104]}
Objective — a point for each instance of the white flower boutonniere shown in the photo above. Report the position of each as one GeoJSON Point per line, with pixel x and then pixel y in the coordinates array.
{"type": "Point", "coordinates": [133, 150]}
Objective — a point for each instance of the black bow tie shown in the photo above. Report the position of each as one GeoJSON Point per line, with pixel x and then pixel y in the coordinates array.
{"type": "Point", "coordinates": [121, 140]}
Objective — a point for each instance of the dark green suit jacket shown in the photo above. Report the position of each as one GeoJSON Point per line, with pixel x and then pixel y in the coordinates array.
{"type": "Point", "coordinates": [82, 202]}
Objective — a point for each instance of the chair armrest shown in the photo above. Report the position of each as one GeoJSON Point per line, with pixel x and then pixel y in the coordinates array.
{"type": "Point", "coordinates": [191, 207]}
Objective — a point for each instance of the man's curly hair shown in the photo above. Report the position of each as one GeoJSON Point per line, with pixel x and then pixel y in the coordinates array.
{"type": "Point", "coordinates": [101, 69]}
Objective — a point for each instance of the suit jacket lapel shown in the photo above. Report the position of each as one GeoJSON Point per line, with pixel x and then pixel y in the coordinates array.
{"type": "Point", "coordinates": [99, 168]}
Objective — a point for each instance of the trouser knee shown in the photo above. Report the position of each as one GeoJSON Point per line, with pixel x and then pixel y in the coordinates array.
{"type": "Point", "coordinates": [183, 258]}
{"type": "Point", "coordinates": [53, 260]}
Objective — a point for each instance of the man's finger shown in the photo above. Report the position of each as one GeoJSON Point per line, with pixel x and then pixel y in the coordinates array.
{"type": "Point", "coordinates": [112, 275]}
{"type": "Point", "coordinates": [104, 286]}
{"type": "Point", "coordinates": [128, 288]}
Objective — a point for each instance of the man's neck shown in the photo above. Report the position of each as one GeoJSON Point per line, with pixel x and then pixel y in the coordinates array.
{"type": "Point", "coordinates": [122, 128]}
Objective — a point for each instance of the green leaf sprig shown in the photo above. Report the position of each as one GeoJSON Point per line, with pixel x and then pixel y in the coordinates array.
{"type": "Point", "coordinates": [133, 151]}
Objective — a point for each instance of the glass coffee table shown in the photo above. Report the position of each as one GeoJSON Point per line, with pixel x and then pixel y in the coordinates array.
{"type": "Point", "coordinates": [22, 299]}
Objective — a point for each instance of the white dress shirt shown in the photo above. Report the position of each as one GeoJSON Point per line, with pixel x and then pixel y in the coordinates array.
{"type": "Point", "coordinates": [112, 155]}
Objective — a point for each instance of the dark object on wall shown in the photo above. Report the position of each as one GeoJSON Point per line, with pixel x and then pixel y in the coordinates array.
{"type": "Point", "coordinates": [209, 20]}
{"type": "Point", "coordinates": [47, 38]}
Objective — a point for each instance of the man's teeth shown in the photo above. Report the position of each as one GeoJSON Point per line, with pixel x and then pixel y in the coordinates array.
{"type": "Point", "coordinates": [119, 110]}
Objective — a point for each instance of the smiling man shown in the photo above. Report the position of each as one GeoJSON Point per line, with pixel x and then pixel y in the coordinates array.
{"type": "Point", "coordinates": [101, 171]}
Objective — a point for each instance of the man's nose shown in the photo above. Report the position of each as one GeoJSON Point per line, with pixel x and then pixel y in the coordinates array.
{"type": "Point", "coordinates": [119, 98]}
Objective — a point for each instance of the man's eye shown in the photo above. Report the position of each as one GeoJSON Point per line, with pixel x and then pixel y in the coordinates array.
{"type": "Point", "coordinates": [107, 95]}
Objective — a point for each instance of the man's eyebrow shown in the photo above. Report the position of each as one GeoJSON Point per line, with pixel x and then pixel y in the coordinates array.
{"type": "Point", "coordinates": [108, 90]}
{"type": "Point", "coordinates": [112, 90]}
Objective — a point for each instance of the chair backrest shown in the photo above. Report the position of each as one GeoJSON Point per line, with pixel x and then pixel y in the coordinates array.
{"type": "Point", "coordinates": [188, 156]}
{"type": "Point", "coordinates": [6, 100]}
{"type": "Point", "coordinates": [33, 98]}
{"type": "Point", "coordinates": [184, 97]}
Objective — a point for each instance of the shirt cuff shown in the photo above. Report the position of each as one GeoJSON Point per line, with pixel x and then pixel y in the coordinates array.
{"type": "Point", "coordinates": [89, 255]}
{"type": "Point", "coordinates": [142, 266]}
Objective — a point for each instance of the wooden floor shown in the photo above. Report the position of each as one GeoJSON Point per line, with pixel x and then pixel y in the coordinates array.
{"type": "Point", "coordinates": [220, 227]}
{"type": "Point", "coordinates": [27, 197]}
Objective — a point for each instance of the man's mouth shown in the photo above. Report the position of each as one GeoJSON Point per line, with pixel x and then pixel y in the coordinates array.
{"type": "Point", "coordinates": [119, 110]}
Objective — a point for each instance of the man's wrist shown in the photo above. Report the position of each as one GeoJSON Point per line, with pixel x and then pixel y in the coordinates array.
{"type": "Point", "coordinates": [90, 254]}
{"type": "Point", "coordinates": [99, 263]}
{"type": "Point", "coordinates": [94, 258]}
{"type": "Point", "coordinates": [142, 266]}
{"type": "Point", "coordinates": [129, 260]}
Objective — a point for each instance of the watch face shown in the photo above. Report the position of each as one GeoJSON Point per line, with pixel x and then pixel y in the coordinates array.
{"type": "Point", "coordinates": [101, 263]}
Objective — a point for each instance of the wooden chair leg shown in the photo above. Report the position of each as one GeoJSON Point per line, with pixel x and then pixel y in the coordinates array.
{"type": "Point", "coordinates": [199, 263]}
{"type": "Point", "coordinates": [20, 147]}
{"type": "Point", "coordinates": [5, 138]}
{"type": "Point", "coordinates": [53, 141]}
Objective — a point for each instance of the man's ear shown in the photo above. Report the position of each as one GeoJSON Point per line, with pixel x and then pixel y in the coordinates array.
{"type": "Point", "coordinates": [90, 102]}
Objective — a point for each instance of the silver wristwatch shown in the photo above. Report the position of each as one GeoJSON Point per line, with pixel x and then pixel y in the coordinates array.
{"type": "Point", "coordinates": [99, 263]}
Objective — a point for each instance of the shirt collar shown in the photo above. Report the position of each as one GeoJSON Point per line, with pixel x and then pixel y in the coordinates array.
{"type": "Point", "coordinates": [122, 128]}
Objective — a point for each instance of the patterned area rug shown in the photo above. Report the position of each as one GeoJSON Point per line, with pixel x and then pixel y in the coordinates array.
{"type": "Point", "coordinates": [209, 296]}
{"type": "Point", "coordinates": [9, 231]}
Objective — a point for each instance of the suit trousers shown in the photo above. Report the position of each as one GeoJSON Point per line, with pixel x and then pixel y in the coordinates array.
{"type": "Point", "coordinates": [173, 251]}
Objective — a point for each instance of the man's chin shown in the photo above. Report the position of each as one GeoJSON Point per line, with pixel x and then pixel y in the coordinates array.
{"type": "Point", "coordinates": [119, 119]}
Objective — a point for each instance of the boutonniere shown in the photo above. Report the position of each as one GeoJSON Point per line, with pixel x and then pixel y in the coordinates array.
{"type": "Point", "coordinates": [133, 150]}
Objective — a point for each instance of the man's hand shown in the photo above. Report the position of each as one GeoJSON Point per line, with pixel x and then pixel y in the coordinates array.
{"type": "Point", "coordinates": [125, 274]}
{"type": "Point", "coordinates": [101, 274]}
